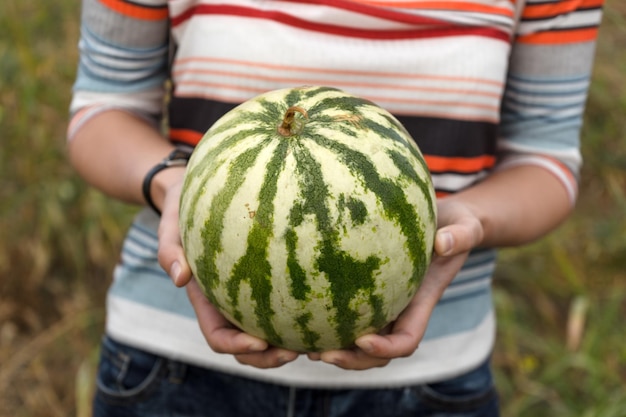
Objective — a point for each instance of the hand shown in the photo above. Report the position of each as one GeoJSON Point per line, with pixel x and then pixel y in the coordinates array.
{"type": "Point", "coordinates": [224, 337]}
{"type": "Point", "coordinates": [219, 333]}
{"type": "Point", "coordinates": [459, 231]}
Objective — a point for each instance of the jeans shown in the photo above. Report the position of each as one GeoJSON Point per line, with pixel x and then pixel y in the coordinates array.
{"type": "Point", "coordinates": [132, 382]}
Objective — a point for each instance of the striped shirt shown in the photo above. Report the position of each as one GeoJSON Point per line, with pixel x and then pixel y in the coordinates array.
{"type": "Point", "coordinates": [481, 85]}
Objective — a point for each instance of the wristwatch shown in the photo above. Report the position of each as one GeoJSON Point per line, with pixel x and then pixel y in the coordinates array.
{"type": "Point", "coordinates": [177, 158]}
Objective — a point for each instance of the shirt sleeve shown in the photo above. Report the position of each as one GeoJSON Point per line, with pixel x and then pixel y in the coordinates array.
{"type": "Point", "coordinates": [547, 85]}
{"type": "Point", "coordinates": [123, 63]}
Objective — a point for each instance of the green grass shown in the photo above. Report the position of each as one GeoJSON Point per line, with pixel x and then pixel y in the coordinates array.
{"type": "Point", "coordinates": [59, 238]}
{"type": "Point", "coordinates": [561, 302]}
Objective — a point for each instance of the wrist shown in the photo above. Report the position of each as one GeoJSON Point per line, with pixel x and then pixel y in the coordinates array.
{"type": "Point", "coordinates": [163, 182]}
{"type": "Point", "coordinates": [162, 176]}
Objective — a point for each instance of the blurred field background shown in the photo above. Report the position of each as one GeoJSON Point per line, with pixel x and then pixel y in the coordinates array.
{"type": "Point", "coordinates": [562, 301]}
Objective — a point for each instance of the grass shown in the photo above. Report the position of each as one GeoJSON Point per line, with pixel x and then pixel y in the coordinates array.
{"type": "Point", "coordinates": [561, 301]}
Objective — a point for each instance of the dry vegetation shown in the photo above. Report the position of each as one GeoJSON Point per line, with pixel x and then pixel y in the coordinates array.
{"type": "Point", "coordinates": [561, 301]}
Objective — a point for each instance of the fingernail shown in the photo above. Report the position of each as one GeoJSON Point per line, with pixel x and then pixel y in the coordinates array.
{"type": "Point", "coordinates": [332, 359]}
{"type": "Point", "coordinates": [447, 241]}
{"type": "Point", "coordinates": [257, 347]}
{"type": "Point", "coordinates": [366, 347]}
{"type": "Point", "coordinates": [175, 272]}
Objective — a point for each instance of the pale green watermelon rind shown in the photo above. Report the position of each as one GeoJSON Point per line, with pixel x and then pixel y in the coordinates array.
{"type": "Point", "coordinates": [250, 130]}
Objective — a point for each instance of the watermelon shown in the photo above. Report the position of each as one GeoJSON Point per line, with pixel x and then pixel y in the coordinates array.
{"type": "Point", "coordinates": [308, 217]}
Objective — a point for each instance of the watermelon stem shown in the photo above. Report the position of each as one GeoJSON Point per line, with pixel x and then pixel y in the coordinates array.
{"type": "Point", "coordinates": [290, 125]}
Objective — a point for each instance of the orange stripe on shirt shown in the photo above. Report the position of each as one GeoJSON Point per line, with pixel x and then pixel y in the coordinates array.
{"type": "Point", "coordinates": [188, 136]}
{"type": "Point", "coordinates": [319, 70]}
{"type": "Point", "coordinates": [441, 5]}
{"type": "Point", "coordinates": [136, 11]}
{"type": "Point", "coordinates": [307, 80]}
{"type": "Point", "coordinates": [201, 86]}
{"type": "Point", "coordinates": [537, 11]}
{"type": "Point", "coordinates": [564, 169]}
{"type": "Point", "coordinates": [560, 37]}
{"type": "Point", "coordinates": [458, 164]}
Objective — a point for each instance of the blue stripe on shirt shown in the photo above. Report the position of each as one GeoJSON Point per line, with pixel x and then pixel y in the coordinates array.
{"type": "Point", "coordinates": [140, 279]}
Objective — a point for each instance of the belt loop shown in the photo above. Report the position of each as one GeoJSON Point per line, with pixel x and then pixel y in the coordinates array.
{"type": "Point", "coordinates": [176, 371]}
{"type": "Point", "coordinates": [291, 402]}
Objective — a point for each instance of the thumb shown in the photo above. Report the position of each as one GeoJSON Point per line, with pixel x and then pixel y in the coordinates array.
{"type": "Point", "coordinates": [459, 237]}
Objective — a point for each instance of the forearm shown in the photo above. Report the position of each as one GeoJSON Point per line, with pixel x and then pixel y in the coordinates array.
{"type": "Point", "coordinates": [114, 150]}
{"type": "Point", "coordinates": [516, 205]}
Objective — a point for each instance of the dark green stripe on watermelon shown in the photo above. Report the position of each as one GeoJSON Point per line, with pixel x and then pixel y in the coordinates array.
{"type": "Point", "coordinates": [346, 275]}
{"type": "Point", "coordinates": [391, 195]}
{"type": "Point", "coordinates": [309, 337]}
{"type": "Point", "coordinates": [213, 228]}
{"type": "Point", "coordinates": [253, 266]}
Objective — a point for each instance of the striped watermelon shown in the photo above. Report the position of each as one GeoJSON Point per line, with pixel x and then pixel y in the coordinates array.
{"type": "Point", "coordinates": [308, 217]}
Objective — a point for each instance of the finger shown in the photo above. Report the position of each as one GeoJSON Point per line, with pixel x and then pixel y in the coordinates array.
{"type": "Point", "coordinates": [440, 274]}
{"type": "Point", "coordinates": [409, 328]}
{"type": "Point", "coordinates": [271, 358]}
{"type": "Point", "coordinates": [459, 233]}
{"type": "Point", "coordinates": [170, 253]}
{"type": "Point", "coordinates": [406, 334]}
{"type": "Point", "coordinates": [219, 333]}
{"type": "Point", "coordinates": [353, 359]}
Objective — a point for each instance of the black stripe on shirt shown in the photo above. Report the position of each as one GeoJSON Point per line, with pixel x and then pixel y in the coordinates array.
{"type": "Point", "coordinates": [434, 136]}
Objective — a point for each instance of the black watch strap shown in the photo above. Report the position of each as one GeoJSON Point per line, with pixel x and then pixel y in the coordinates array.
{"type": "Point", "coordinates": [177, 158]}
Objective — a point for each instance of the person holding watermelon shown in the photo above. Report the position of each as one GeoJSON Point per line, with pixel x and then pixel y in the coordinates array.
{"type": "Point", "coordinates": [493, 93]}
